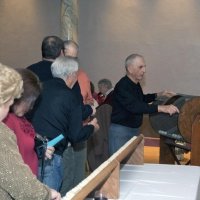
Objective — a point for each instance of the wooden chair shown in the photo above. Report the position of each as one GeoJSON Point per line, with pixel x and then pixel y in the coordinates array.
{"type": "Point", "coordinates": [97, 146]}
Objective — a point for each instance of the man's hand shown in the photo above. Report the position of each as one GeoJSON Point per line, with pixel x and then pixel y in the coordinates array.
{"type": "Point", "coordinates": [95, 124]}
{"type": "Point", "coordinates": [93, 111]}
{"type": "Point", "coordinates": [170, 109]}
{"type": "Point", "coordinates": [49, 152]}
{"type": "Point", "coordinates": [55, 195]}
{"type": "Point", "coordinates": [166, 93]}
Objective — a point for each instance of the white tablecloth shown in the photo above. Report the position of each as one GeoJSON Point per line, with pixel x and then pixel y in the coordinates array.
{"type": "Point", "coordinates": [159, 182]}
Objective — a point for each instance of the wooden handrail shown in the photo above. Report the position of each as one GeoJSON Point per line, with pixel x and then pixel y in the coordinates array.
{"type": "Point", "coordinates": [107, 174]}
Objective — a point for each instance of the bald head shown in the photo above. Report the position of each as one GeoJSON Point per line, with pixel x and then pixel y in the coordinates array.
{"type": "Point", "coordinates": [71, 48]}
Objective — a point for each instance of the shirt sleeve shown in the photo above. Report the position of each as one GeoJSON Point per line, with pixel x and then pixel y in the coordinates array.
{"type": "Point", "coordinates": [78, 132]}
{"type": "Point", "coordinates": [148, 98]}
{"type": "Point", "coordinates": [84, 83]}
{"type": "Point", "coordinates": [85, 109]}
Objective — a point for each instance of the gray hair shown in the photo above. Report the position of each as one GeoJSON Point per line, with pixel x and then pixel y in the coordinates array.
{"type": "Point", "coordinates": [105, 82]}
{"type": "Point", "coordinates": [63, 67]}
{"type": "Point", "coordinates": [130, 59]}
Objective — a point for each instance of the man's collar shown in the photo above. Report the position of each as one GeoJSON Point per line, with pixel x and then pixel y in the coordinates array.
{"type": "Point", "coordinates": [46, 59]}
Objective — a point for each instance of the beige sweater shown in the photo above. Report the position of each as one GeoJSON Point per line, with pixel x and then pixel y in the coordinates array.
{"type": "Point", "coordinates": [16, 179]}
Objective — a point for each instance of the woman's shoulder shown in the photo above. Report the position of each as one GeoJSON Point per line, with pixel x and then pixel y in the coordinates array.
{"type": "Point", "coordinates": [11, 118]}
{"type": "Point", "coordinates": [5, 131]}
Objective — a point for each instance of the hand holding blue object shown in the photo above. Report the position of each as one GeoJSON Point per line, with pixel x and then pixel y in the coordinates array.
{"type": "Point", "coordinates": [54, 141]}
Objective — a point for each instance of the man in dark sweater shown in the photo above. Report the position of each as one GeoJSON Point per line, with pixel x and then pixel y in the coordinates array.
{"type": "Point", "coordinates": [59, 112]}
{"type": "Point", "coordinates": [51, 48]}
{"type": "Point", "coordinates": [129, 104]}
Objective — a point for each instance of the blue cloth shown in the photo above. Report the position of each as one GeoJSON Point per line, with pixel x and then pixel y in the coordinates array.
{"type": "Point", "coordinates": [119, 135]}
{"type": "Point", "coordinates": [53, 172]}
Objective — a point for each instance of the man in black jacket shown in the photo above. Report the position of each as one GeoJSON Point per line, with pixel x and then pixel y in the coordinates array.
{"type": "Point", "coordinates": [51, 48]}
{"type": "Point", "coordinates": [60, 112]}
{"type": "Point", "coordinates": [129, 104]}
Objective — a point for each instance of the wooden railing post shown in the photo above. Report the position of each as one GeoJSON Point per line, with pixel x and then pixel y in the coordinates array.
{"type": "Point", "coordinates": [195, 142]}
{"type": "Point", "coordinates": [166, 156]}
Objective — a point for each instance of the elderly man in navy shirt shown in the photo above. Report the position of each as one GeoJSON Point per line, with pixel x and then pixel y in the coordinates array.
{"type": "Point", "coordinates": [129, 104]}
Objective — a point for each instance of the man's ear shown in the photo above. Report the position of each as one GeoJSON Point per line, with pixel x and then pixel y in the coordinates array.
{"type": "Point", "coordinates": [130, 69]}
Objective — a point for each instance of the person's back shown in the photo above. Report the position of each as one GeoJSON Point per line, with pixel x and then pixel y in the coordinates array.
{"type": "Point", "coordinates": [59, 115]}
{"type": "Point", "coordinates": [51, 48]}
{"type": "Point", "coordinates": [42, 69]}
{"type": "Point", "coordinates": [59, 112]}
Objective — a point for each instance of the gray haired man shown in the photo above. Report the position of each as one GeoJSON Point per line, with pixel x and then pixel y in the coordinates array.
{"type": "Point", "coordinates": [59, 112]}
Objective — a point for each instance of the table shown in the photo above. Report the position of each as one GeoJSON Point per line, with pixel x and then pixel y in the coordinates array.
{"type": "Point", "coordinates": [159, 182]}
